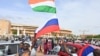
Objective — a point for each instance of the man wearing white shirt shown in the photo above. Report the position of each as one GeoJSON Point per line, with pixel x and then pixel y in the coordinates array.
{"type": "Point", "coordinates": [33, 52]}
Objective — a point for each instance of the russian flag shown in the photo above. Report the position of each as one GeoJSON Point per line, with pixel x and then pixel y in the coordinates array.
{"type": "Point", "coordinates": [50, 26]}
{"type": "Point", "coordinates": [86, 51]}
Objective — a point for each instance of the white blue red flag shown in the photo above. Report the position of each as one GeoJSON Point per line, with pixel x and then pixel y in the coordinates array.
{"type": "Point", "coordinates": [86, 51]}
{"type": "Point", "coordinates": [50, 26]}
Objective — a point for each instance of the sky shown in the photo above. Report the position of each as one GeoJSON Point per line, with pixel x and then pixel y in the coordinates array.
{"type": "Point", "coordinates": [75, 15]}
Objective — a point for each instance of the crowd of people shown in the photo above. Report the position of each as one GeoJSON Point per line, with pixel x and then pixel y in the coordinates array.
{"type": "Point", "coordinates": [60, 47]}
{"type": "Point", "coordinates": [56, 46]}
{"type": "Point", "coordinates": [15, 38]}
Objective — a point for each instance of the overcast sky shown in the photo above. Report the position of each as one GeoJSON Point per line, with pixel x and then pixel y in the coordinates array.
{"type": "Point", "coordinates": [75, 15]}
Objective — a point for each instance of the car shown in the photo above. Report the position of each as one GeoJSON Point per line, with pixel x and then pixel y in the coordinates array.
{"type": "Point", "coordinates": [9, 48]}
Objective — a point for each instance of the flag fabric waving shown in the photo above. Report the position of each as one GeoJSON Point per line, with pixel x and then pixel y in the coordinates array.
{"type": "Point", "coordinates": [51, 25]}
{"type": "Point", "coordinates": [87, 50]}
{"type": "Point", "coordinates": [46, 6]}
{"type": "Point", "coordinates": [43, 5]}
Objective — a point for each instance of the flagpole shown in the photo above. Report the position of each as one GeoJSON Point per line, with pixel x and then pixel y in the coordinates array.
{"type": "Point", "coordinates": [52, 6]}
{"type": "Point", "coordinates": [58, 21]}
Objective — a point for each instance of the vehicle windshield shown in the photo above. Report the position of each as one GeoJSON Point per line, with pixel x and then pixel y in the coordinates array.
{"type": "Point", "coordinates": [8, 49]}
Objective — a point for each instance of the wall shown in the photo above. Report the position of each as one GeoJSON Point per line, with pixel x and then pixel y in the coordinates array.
{"type": "Point", "coordinates": [5, 26]}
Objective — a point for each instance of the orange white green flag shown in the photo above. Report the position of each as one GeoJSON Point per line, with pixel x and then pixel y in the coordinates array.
{"type": "Point", "coordinates": [43, 6]}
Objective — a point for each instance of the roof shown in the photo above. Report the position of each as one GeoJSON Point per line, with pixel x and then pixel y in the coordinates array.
{"type": "Point", "coordinates": [9, 42]}
{"type": "Point", "coordinates": [23, 25]}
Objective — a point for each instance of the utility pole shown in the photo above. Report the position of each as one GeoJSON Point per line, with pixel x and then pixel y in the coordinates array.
{"type": "Point", "coordinates": [83, 33]}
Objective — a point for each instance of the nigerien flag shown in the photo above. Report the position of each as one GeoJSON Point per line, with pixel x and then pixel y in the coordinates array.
{"type": "Point", "coordinates": [43, 6]}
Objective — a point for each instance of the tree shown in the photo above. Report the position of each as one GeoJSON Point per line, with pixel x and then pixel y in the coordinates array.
{"type": "Point", "coordinates": [93, 36]}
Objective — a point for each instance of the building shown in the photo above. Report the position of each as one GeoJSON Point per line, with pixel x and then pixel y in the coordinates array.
{"type": "Point", "coordinates": [84, 36]}
{"type": "Point", "coordinates": [19, 29]}
{"type": "Point", "coordinates": [8, 28]}
{"type": "Point", "coordinates": [5, 26]}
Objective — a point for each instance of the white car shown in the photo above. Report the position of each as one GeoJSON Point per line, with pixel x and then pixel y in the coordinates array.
{"type": "Point", "coordinates": [9, 48]}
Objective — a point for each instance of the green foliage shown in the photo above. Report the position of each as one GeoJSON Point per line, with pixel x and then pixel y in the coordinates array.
{"type": "Point", "coordinates": [93, 36]}
{"type": "Point", "coordinates": [14, 31]}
